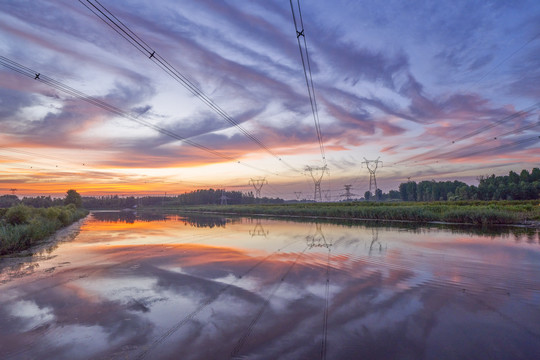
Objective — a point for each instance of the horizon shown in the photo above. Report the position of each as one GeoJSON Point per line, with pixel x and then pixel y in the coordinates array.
{"type": "Point", "coordinates": [444, 92]}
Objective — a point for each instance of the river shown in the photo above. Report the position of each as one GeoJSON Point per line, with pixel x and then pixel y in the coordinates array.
{"type": "Point", "coordinates": [170, 286]}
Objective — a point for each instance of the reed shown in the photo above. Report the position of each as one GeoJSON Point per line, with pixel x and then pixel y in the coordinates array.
{"type": "Point", "coordinates": [22, 226]}
{"type": "Point", "coordinates": [465, 212]}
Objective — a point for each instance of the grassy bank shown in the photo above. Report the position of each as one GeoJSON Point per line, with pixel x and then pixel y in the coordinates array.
{"type": "Point", "coordinates": [466, 212]}
{"type": "Point", "coordinates": [23, 226]}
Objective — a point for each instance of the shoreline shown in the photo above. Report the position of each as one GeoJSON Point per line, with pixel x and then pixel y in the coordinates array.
{"type": "Point", "coordinates": [526, 224]}
{"type": "Point", "coordinates": [65, 234]}
{"type": "Point", "coordinates": [524, 214]}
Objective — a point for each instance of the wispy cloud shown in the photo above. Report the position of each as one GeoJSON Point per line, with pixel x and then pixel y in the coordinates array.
{"type": "Point", "coordinates": [385, 81]}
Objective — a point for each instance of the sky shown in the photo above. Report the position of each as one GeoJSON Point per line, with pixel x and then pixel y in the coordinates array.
{"type": "Point", "coordinates": [433, 90]}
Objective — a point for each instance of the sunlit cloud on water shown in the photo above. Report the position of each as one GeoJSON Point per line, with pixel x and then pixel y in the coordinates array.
{"type": "Point", "coordinates": [216, 287]}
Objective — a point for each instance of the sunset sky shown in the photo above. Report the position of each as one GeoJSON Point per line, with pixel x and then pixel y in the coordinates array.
{"type": "Point", "coordinates": [437, 89]}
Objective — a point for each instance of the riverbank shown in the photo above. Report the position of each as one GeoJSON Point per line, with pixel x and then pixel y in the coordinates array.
{"type": "Point", "coordinates": [525, 213]}
{"type": "Point", "coordinates": [23, 227]}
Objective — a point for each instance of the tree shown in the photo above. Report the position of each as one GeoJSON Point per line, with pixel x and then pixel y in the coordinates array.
{"type": "Point", "coordinates": [378, 194]}
{"type": "Point", "coordinates": [524, 176]}
{"type": "Point", "coordinates": [403, 191]}
{"type": "Point", "coordinates": [462, 192]}
{"type": "Point", "coordinates": [513, 177]}
{"type": "Point", "coordinates": [73, 197]}
{"type": "Point", "coordinates": [535, 174]}
{"type": "Point", "coordinates": [411, 191]}
{"type": "Point", "coordinates": [367, 195]}
{"type": "Point", "coordinates": [7, 201]}
{"type": "Point", "coordinates": [394, 195]}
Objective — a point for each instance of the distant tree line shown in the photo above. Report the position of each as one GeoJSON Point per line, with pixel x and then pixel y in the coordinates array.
{"type": "Point", "coordinates": [392, 195]}
{"type": "Point", "coordinates": [514, 186]}
{"type": "Point", "coordinates": [211, 196]}
{"type": "Point", "coordinates": [72, 197]}
{"type": "Point", "coordinates": [197, 197]}
{"type": "Point", "coordinates": [525, 186]}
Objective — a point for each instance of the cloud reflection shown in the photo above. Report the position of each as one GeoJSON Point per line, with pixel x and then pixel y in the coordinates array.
{"type": "Point", "coordinates": [427, 295]}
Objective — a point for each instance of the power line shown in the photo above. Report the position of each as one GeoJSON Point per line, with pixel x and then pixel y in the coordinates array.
{"type": "Point", "coordinates": [476, 144]}
{"type": "Point", "coordinates": [23, 70]}
{"type": "Point", "coordinates": [498, 122]}
{"type": "Point", "coordinates": [512, 144]}
{"type": "Point", "coordinates": [489, 126]}
{"type": "Point", "coordinates": [125, 32]}
{"type": "Point", "coordinates": [504, 60]}
{"type": "Point", "coordinates": [500, 147]}
{"type": "Point", "coordinates": [309, 82]}
{"type": "Point", "coordinates": [478, 131]}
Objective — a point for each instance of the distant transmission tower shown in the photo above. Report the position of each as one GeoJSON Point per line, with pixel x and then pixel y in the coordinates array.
{"type": "Point", "coordinates": [257, 185]}
{"type": "Point", "coordinates": [372, 166]}
{"type": "Point", "coordinates": [223, 197]}
{"type": "Point", "coordinates": [317, 173]}
{"type": "Point", "coordinates": [298, 194]}
{"type": "Point", "coordinates": [13, 191]}
{"type": "Point", "coordinates": [348, 195]}
{"type": "Point", "coordinates": [327, 195]}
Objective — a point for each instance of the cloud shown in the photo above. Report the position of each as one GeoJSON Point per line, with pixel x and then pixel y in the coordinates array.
{"type": "Point", "coordinates": [11, 101]}
{"type": "Point", "coordinates": [384, 76]}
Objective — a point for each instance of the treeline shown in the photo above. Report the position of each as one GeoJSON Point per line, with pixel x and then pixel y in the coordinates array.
{"type": "Point", "coordinates": [197, 197]}
{"type": "Point", "coordinates": [525, 186]}
{"type": "Point", "coordinates": [7, 201]}
{"type": "Point", "coordinates": [72, 197]}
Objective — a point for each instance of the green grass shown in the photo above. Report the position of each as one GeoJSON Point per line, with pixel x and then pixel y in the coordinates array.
{"type": "Point", "coordinates": [466, 212]}
{"type": "Point", "coordinates": [22, 227]}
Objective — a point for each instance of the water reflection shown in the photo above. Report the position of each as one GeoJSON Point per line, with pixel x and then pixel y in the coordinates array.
{"type": "Point", "coordinates": [258, 229]}
{"type": "Point", "coordinates": [214, 287]}
{"type": "Point", "coordinates": [375, 244]}
{"type": "Point", "coordinates": [317, 239]}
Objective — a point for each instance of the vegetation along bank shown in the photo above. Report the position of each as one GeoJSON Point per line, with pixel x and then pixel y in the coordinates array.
{"type": "Point", "coordinates": [23, 226]}
{"type": "Point", "coordinates": [465, 212]}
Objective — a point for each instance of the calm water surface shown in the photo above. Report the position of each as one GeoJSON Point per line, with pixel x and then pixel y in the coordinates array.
{"type": "Point", "coordinates": [175, 287]}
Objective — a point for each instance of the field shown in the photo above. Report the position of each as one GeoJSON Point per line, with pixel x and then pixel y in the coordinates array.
{"type": "Point", "coordinates": [461, 212]}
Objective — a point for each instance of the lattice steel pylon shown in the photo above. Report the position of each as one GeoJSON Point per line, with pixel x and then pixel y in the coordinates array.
{"type": "Point", "coordinates": [348, 193]}
{"type": "Point", "coordinates": [372, 166]}
{"type": "Point", "coordinates": [257, 185]}
{"type": "Point", "coordinates": [298, 194]}
{"type": "Point", "coordinates": [327, 195]}
{"type": "Point", "coordinates": [223, 197]}
{"type": "Point", "coordinates": [317, 173]}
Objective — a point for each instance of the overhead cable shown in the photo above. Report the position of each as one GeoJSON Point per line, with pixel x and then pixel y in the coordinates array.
{"type": "Point", "coordinates": [309, 80]}
{"type": "Point", "coordinates": [513, 116]}
{"type": "Point", "coordinates": [125, 32]}
{"type": "Point", "coordinates": [23, 70]}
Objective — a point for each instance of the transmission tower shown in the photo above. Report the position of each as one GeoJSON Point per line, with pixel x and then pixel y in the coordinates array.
{"type": "Point", "coordinates": [327, 195]}
{"type": "Point", "coordinates": [317, 173]}
{"type": "Point", "coordinates": [372, 166]}
{"type": "Point", "coordinates": [257, 185]}
{"type": "Point", "coordinates": [348, 195]}
{"type": "Point", "coordinates": [13, 191]}
{"type": "Point", "coordinates": [298, 194]}
{"type": "Point", "coordinates": [223, 197]}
